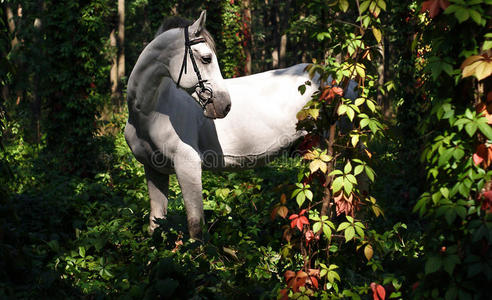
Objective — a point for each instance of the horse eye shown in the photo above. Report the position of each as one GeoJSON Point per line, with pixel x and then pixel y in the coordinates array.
{"type": "Point", "coordinates": [207, 59]}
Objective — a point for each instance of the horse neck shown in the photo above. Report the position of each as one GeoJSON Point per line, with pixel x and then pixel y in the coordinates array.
{"type": "Point", "coordinates": [148, 73]}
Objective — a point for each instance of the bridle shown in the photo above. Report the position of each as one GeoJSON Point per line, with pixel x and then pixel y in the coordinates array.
{"type": "Point", "coordinates": [205, 94]}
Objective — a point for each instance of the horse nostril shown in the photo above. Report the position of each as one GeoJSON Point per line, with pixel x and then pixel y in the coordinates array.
{"type": "Point", "coordinates": [227, 109]}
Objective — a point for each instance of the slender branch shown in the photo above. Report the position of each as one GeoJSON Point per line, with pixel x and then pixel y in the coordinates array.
{"type": "Point", "coordinates": [348, 23]}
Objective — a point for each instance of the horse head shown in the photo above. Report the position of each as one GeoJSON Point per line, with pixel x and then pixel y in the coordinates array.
{"type": "Point", "coordinates": [197, 69]}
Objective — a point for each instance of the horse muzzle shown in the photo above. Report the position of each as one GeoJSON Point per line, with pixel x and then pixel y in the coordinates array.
{"type": "Point", "coordinates": [218, 107]}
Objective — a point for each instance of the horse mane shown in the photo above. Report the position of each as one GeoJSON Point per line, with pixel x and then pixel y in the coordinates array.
{"type": "Point", "coordinates": [180, 22]}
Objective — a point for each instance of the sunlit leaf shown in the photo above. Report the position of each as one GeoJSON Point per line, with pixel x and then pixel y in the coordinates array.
{"type": "Point", "coordinates": [368, 251]}
{"type": "Point", "coordinates": [349, 233]}
{"type": "Point", "coordinates": [377, 34]}
{"type": "Point", "coordinates": [479, 66]}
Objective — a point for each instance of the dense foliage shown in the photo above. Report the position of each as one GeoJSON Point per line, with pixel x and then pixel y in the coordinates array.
{"type": "Point", "coordinates": [390, 199]}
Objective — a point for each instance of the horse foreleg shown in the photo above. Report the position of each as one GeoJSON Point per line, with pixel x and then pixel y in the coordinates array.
{"type": "Point", "coordinates": [188, 169]}
{"type": "Point", "coordinates": [158, 185]}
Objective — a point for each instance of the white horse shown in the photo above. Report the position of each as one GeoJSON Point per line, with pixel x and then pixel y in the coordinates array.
{"type": "Point", "coordinates": [169, 132]}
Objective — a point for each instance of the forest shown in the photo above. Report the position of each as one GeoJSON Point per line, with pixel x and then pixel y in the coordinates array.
{"type": "Point", "coordinates": [386, 196]}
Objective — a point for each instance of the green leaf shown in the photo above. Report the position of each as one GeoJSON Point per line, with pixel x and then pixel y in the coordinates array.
{"type": "Point", "coordinates": [445, 156]}
{"type": "Point", "coordinates": [487, 45]}
{"type": "Point", "coordinates": [344, 5]}
{"type": "Point", "coordinates": [350, 113]}
{"type": "Point", "coordinates": [461, 211]}
{"type": "Point", "coordinates": [332, 275]}
{"type": "Point", "coordinates": [373, 125]}
{"type": "Point", "coordinates": [335, 172]}
{"type": "Point", "coordinates": [302, 89]}
{"type": "Point", "coordinates": [382, 4]}
{"type": "Point", "coordinates": [354, 140]}
{"type": "Point", "coordinates": [358, 169]}
{"type": "Point", "coordinates": [317, 227]}
{"type": "Point", "coordinates": [343, 226]}
{"type": "Point", "coordinates": [309, 194]}
{"type": "Point", "coordinates": [348, 168]}
{"type": "Point", "coordinates": [301, 197]}
{"type": "Point", "coordinates": [475, 16]}
{"type": "Point", "coordinates": [327, 231]}
{"type": "Point", "coordinates": [359, 101]}
{"type": "Point", "coordinates": [82, 251]}
{"type": "Point", "coordinates": [337, 184]}
{"type": "Point", "coordinates": [450, 215]}
{"type": "Point", "coordinates": [342, 109]}
{"type": "Point", "coordinates": [451, 293]}
{"type": "Point", "coordinates": [471, 128]}
{"type": "Point", "coordinates": [433, 264]}
{"type": "Point", "coordinates": [359, 231]}
{"type": "Point", "coordinates": [445, 192]}
{"type": "Point", "coordinates": [485, 128]}
{"type": "Point", "coordinates": [370, 105]}
{"type": "Point", "coordinates": [364, 123]}
{"type": "Point", "coordinates": [364, 6]}
{"type": "Point", "coordinates": [351, 178]}
{"type": "Point", "coordinates": [369, 173]}
{"type": "Point", "coordinates": [462, 14]}
{"type": "Point", "coordinates": [450, 262]}
{"type": "Point", "coordinates": [347, 187]}
{"type": "Point", "coordinates": [349, 233]}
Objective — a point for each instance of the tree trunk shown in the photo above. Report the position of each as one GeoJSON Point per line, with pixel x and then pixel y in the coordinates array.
{"type": "Point", "coordinates": [121, 50]}
{"type": "Point", "coordinates": [283, 50]}
{"type": "Point", "coordinates": [114, 67]}
{"type": "Point", "coordinates": [275, 33]}
{"type": "Point", "coordinates": [247, 35]}
{"type": "Point", "coordinates": [283, 18]}
{"type": "Point", "coordinates": [11, 25]}
{"type": "Point", "coordinates": [380, 96]}
{"type": "Point", "coordinates": [36, 103]}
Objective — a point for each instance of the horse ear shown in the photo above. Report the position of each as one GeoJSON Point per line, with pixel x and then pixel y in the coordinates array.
{"type": "Point", "coordinates": [197, 27]}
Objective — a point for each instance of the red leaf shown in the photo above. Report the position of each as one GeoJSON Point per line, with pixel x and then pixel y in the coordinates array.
{"type": "Point", "coordinates": [285, 294]}
{"type": "Point", "coordinates": [434, 6]}
{"type": "Point", "coordinates": [477, 159]}
{"type": "Point", "coordinates": [289, 275]}
{"type": "Point", "coordinates": [338, 90]}
{"type": "Point", "coordinates": [381, 292]}
{"type": "Point", "coordinates": [314, 281]}
{"type": "Point", "coordinates": [487, 202]}
{"type": "Point", "coordinates": [482, 155]}
{"type": "Point", "coordinates": [274, 213]}
{"type": "Point", "coordinates": [298, 220]}
{"type": "Point", "coordinates": [299, 224]}
{"type": "Point", "coordinates": [488, 195]}
{"type": "Point", "coordinates": [293, 216]}
{"type": "Point", "coordinates": [378, 291]}
{"type": "Point", "coordinates": [309, 235]}
{"type": "Point", "coordinates": [293, 223]}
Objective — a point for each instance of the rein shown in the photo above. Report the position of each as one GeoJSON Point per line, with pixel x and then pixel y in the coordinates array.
{"type": "Point", "coordinates": [205, 94]}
